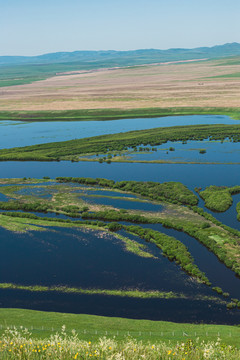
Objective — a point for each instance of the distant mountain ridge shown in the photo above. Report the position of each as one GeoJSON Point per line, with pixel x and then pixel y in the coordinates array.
{"type": "Point", "coordinates": [124, 58]}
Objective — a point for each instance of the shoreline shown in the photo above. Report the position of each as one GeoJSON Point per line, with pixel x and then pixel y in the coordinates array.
{"type": "Point", "coordinates": [115, 114]}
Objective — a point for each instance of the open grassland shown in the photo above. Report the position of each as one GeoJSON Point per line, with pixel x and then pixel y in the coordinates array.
{"type": "Point", "coordinates": [65, 348]}
{"type": "Point", "coordinates": [203, 84]}
{"type": "Point", "coordinates": [19, 344]}
{"type": "Point", "coordinates": [90, 327]}
{"type": "Point", "coordinates": [73, 149]}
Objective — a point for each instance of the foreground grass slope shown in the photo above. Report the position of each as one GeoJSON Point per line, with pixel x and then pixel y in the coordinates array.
{"type": "Point", "coordinates": [68, 336]}
{"type": "Point", "coordinates": [91, 327]}
{"type": "Point", "coordinates": [19, 345]}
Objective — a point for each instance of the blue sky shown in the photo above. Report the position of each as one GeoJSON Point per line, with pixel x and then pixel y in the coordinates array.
{"type": "Point", "coordinates": [32, 27]}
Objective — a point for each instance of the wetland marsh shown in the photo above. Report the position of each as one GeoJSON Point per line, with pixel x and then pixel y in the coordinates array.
{"type": "Point", "coordinates": [104, 249]}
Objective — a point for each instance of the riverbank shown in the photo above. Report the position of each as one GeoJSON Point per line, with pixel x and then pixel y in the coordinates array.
{"type": "Point", "coordinates": [116, 114]}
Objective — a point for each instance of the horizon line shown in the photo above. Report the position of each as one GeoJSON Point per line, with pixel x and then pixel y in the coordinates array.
{"type": "Point", "coordinates": [108, 50]}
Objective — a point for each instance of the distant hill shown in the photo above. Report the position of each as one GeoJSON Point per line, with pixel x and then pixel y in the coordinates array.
{"type": "Point", "coordinates": [123, 58]}
{"type": "Point", "coordinates": [18, 70]}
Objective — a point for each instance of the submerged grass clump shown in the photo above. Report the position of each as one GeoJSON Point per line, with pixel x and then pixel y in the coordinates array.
{"type": "Point", "coordinates": [19, 344]}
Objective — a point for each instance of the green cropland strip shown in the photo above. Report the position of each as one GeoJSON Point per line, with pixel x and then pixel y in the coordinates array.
{"type": "Point", "coordinates": [115, 114]}
{"type": "Point", "coordinates": [226, 76]}
{"type": "Point", "coordinates": [118, 142]}
{"type": "Point", "coordinates": [219, 198]}
{"type": "Point", "coordinates": [91, 327]}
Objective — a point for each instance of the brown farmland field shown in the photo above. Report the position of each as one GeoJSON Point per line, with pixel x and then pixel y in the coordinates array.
{"type": "Point", "coordinates": [190, 84]}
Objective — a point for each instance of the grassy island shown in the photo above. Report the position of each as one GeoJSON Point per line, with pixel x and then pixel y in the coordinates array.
{"type": "Point", "coordinates": [72, 149]}
{"type": "Point", "coordinates": [219, 198]}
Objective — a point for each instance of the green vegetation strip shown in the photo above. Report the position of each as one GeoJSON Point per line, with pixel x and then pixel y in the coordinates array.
{"type": "Point", "coordinates": [134, 247]}
{"type": "Point", "coordinates": [238, 211]}
{"type": "Point", "coordinates": [112, 114]}
{"type": "Point", "coordinates": [131, 293]}
{"type": "Point", "coordinates": [219, 198]}
{"type": "Point", "coordinates": [22, 222]}
{"type": "Point", "coordinates": [66, 150]}
{"type": "Point", "coordinates": [222, 240]}
{"type": "Point", "coordinates": [173, 249]}
{"type": "Point", "coordinates": [170, 191]}
{"type": "Point", "coordinates": [121, 292]}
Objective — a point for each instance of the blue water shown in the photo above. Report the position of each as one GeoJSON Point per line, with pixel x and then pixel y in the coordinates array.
{"type": "Point", "coordinates": [191, 175]}
{"type": "Point", "coordinates": [69, 257]}
{"type": "Point", "coordinates": [226, 152]}
{"type": "Point", "coordinates": [88, 259]}
{"type": "Point", "coordinates": [185, 311]}
{"type": "Point", "coordinates": [3, 197]}
{"type": "Point", "coordinates": [123, 204]}
{"type": "Point", "coordinates": [39, 192]}
{"type": "Point", "coordinates": [106, 193]}
{"type": "Point", "coordinates": [228, 217]}
{"type": "Point", "coordinates": [17, 133]}
{"type": "Point", "coordinates": [78, 258]}
{"type": "Point", "coordinates": [216, 271]}
{"type": "Point", "coordinates": [83, 258]}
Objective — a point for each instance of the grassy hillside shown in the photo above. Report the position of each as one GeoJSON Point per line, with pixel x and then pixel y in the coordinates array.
{"type": "Point", "coordinates": [90, 327]}
{"type": "Point", "coordinates": [125, 58]}
{"type": "Point", "coordinates": [18, 70]}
